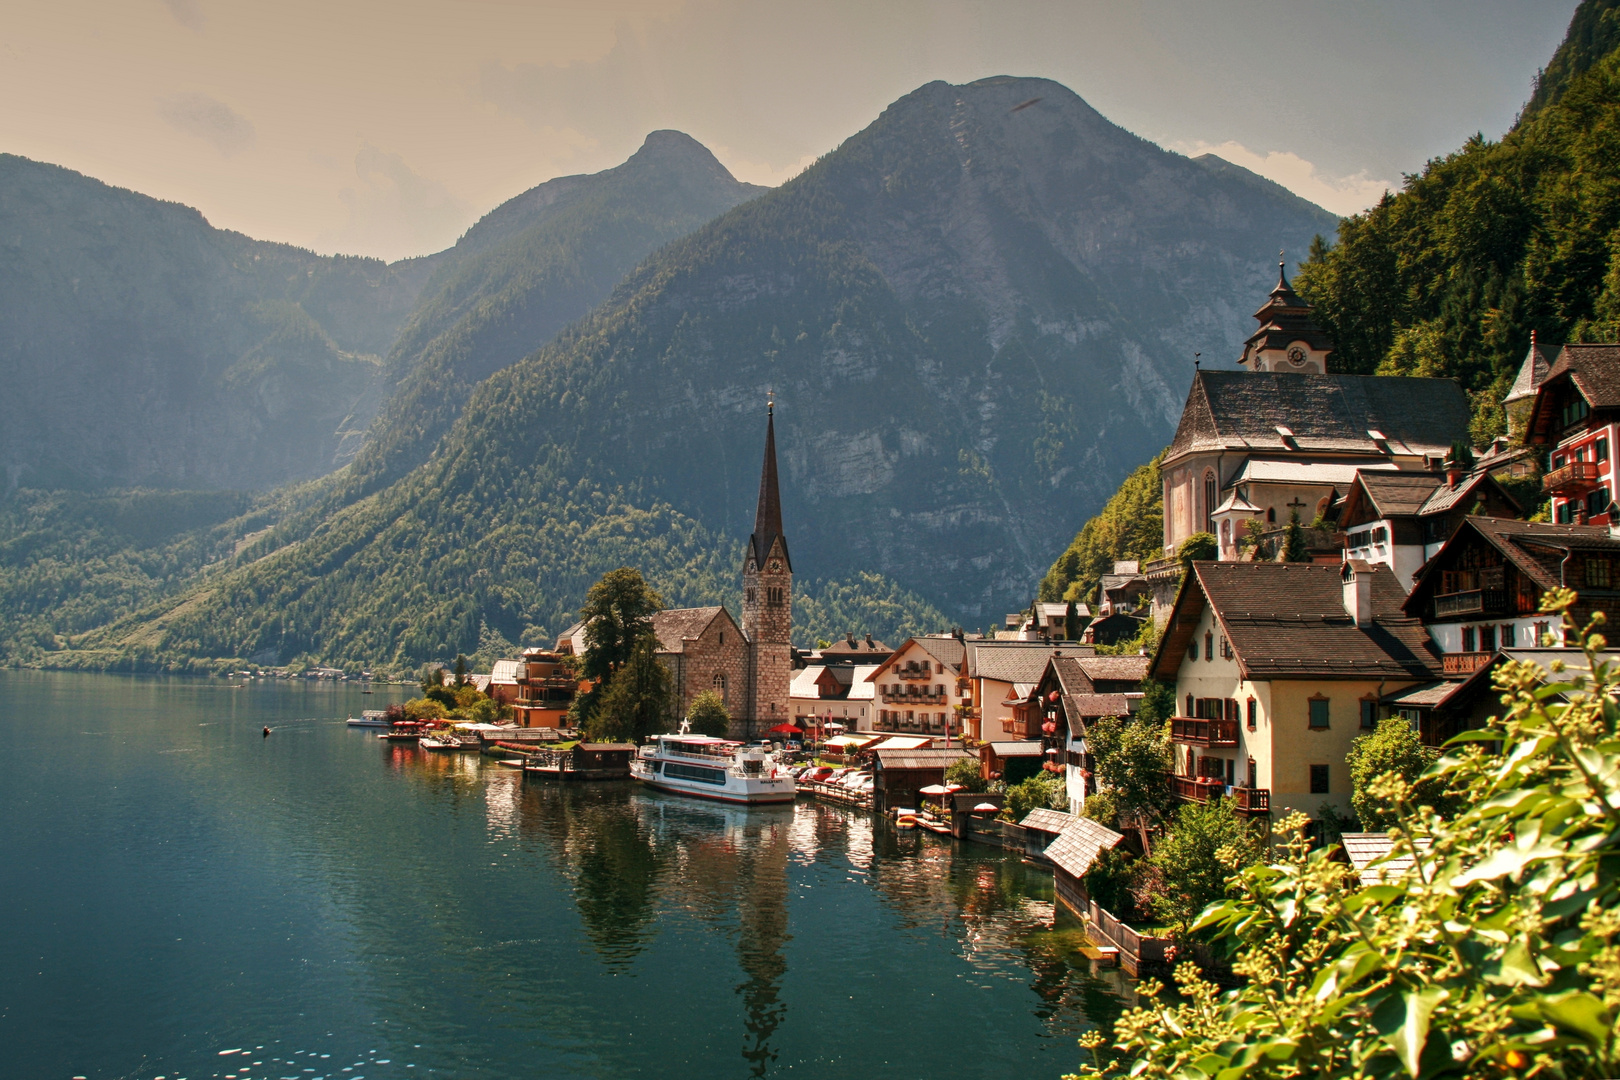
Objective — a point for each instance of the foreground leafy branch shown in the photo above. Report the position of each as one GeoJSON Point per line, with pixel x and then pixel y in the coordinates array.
{"type": "Point", "coordinates": [1495, 954]}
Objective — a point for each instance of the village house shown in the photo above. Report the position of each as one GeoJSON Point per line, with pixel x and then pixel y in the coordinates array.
{"type": "Point", "coordinates": [853, 650]}
{"type": "Point", "coordinates": [1402, 519]}
{"type": "Point", "coordinates": [1123, 590]}
{"type": "Point", "coordinates": [543, 687]}
{"type": "Point", "coordinates": [1000, 675]}
{"type": "Point", "coordinates": [919, 687]}
{"type": "Point", "coordinates": [1072, 693]}
{"type": "Point", "coordinates": [1277, 668]}
{"type": "Point", "coordinates": [836, 693]}
{"type": "Point", "coordinates": [1482, 591]}
{"type": "Point", "coordinates": [1576, 417]}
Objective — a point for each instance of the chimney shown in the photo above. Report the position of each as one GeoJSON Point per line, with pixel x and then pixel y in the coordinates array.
{"type": "Point", "coordinates": [870, 644]}
{"type": "Point", "coordinates": [1454, 474]}
{"type": "Point", "coordinates": [1357, 577]}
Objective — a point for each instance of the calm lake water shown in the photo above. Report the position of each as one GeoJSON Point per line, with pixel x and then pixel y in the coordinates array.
{"type": "Point", "coordinates": [186, 898]}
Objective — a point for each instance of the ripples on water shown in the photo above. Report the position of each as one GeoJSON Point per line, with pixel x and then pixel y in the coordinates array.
{"type": "Point", "coordinates": [189, 900]}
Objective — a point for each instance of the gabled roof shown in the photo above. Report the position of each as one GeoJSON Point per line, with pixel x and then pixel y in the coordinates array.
{"type": "Point", "coordinates": [945, 650]}
{"type": "Point", "coordinates": [918, 759]}
{"type": "Point", "coordinates": [1009, 661]}
{"type": "Point", "coordinates": [1017, 749]}
{"type": "Point", "coordinates": [1361, 850]}
{"type": "Point", "coordinates": [1416, 494]}
{"type": "Point", "coordinates": [1593, 370]}
{"type": "Point", "coordinates": [1094, 706]}
{"type": "Point", "coordinates": [850, 646]}
{"type": "Point", "coordinates": [1076, 847]}
{"type": "Point", "coordinates": [1287, 621]}
{"type": "Point", "coordinates": [1535, 547]}
{"type": "Point", "coordinates": [1120, 668]}
{"type": "Point", "coordinates": [861, 687]}
{"type": "Point", "coordinates": [677, 625]}
{"type": "Point", "coordinates": [1242, 410]}
{"type": "Point", "coordinates": [804, 682]}
{"type": "Point", "coordinates": [505, 671]}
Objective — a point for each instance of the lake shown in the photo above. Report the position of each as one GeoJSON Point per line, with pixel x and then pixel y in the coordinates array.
{"type": "Point", "coordinates": [186, 898]}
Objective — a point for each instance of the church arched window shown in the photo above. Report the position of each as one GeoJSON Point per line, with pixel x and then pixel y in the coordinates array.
{"type": "Point", "coordinates": [720, 686]}
{"type": "Point", "coordinates": [1209, 502]}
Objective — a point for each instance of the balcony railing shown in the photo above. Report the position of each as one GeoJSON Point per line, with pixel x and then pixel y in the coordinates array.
{"type": "Point", "coordinates": [1471, 602]}
{"type": "Point", "coordinates": [1572, 479]}
{"type": "Point", "coordinates": [1251, 801]}
{"type": "Point", "coordinates": [1196, 732]}
{"type": "Point", "coordinates": [1464, 663]}
{"type": "Point", "coordinates": [1199, 789]}
{"type": "Point", "coordinates": [907, 671]}
{"type": "Point", "coordinates": [913, 699]}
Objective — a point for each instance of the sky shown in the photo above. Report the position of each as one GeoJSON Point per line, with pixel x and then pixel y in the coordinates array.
{"type": "Point", "coordinates": [387, 128]}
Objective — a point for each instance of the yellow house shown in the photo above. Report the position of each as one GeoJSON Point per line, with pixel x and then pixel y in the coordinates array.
{"type": "Point", "coordinates": [1277, 668]}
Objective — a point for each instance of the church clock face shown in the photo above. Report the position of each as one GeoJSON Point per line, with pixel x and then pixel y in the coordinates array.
{"type": "Point", "coordinates": [1296, 356]}
{"type": "Point", "coordinates": [776, 565]}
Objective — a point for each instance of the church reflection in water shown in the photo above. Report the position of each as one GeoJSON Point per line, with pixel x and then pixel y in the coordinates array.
{"type": "Point", "coordinates": [630, 854]}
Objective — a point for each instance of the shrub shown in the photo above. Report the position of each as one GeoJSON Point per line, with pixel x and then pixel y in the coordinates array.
{"type": "Point", "coordinates": [1041, 791]}
{"type": "Point", "coordinates": [1391, 747]}
{"type": "Point", "coordinates": [965, 772]}
{"type": "Point", "coordinates": [708, 715]}
{"type": "Point", "coordinates": [1496, 954]}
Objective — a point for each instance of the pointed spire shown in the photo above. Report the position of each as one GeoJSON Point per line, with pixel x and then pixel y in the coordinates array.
{"type": "Point", "coordinates": [768, 517]}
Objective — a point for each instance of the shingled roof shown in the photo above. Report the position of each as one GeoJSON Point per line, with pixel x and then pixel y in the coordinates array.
{"type": "Point", "coordinates": [1013, 662]}
{"type": "Point", "coordinates": [1287, 620]}
{"type": "Point", "coordinates": [1076, 847]}
{"type": "Point", "coordinates": [1594, 371]}
{"type": "Point", "coordinates": [1333, 414]}
{"type": "Point", "coordinates": [676, 625]}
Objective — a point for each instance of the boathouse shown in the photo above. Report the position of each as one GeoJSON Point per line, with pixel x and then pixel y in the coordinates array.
{"type": "Point", "coordinates": [900, 774]}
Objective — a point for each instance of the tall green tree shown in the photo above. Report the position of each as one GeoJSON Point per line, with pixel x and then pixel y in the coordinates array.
{"type": "Point", "coordinates": [1294, 549]}
{"type": "Point", "coordinates": [618, 613]}
{"type": "Point", "coordinates": [1189, 867]}
{"type": "Point", "coordinates": [1132, 760]}
{"type": "Point", "coordinates": [638, 699]}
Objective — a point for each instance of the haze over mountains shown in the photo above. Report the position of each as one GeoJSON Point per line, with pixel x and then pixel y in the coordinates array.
{"type": "Point", "coordinates": [978, 314]}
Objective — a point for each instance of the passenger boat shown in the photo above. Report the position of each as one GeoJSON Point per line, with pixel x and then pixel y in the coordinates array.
{"type": "Point", "coordinates": [369, 718]}
{"type": "Point", "coordinates": [712, 768]}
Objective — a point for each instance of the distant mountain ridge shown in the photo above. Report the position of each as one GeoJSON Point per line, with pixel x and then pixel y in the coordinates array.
{"type": "Point", "coordinates": [140, 345]}
{"type": "Point", "coordinates": [977, 318]}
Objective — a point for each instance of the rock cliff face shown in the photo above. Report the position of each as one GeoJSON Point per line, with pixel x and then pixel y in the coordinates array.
{"type": "Point", "coordinates": [140, 345]}
{"type": "Point", "coordinates": [977, 315]}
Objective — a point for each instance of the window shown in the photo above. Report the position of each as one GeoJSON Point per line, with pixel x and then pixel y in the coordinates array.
{"type": "Point", "coordinates": [1226, 648]}
{"type": "Point", "coordinates": [1509, 636]}
{"type": "Point", "coordinates": [1231, 772]}
{"type": "Point", "coordinates": [1597, 571]}
{"type": "Point", "coordinates": [1189, 711]}
{"type": "Point", "coordinates": [1597, 501]}
{"type": "Point", "coordinates": [1254, 774]}
{"type": "Point", "coordinates": [1468, 639]}
{"type": "Point", "coordinates": [1602, 448]}
{"type": "Point", "coordinates": [1575, 410]}
{"type": "Point", "coordinates": [1487, 639]}
{"type": "Point", "coordinates": [1558, 461]}
{"type": "Point", "coordinates": [1192, 650]}
{"type": "Point", "coordinates": [1319, 779]}
{"type": "Point", "coordinates": [720, 686]}
{"type": "Point", "coordinates": [1565, 513]}
{"type": "Point", "coordinates": [1254, 713]}
{"type": "Point", "coordinates": [1271, 515]}
{"type": "Point", "coordinates": [1319, 712]}
{"type": "Point", "coordinates": [1209, 502]}
{"type": "Point", "coordinates": [1541, 633]}
{"type": "Point", "coordinates": [1209, 645]}
{"type": "Point", "coordinates": [1369, 713]}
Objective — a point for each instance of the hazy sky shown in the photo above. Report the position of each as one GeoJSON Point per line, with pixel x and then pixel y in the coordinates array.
{"type": "Point", "coordinates": [387, 128]}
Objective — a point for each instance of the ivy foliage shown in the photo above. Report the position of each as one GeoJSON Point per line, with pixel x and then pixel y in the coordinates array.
{"type": "Point", "coordinates": [1495, 954]}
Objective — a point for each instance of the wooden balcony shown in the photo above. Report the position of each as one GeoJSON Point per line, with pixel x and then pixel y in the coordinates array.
{"type": "Point", "coordinates": [1576, 478]}
{"type": "Point", "coordinates": [1251, 801]}
{"type": "Point", "coordinates": [1195, 732]}
{"type": "Point", "coordinates": [1464, 663]}
{"type": "Point", "coordinates": [1199, 789]}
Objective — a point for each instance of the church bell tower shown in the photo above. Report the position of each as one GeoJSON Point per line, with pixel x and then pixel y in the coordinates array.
{"type": "Point", "coordinates": [768, 599]}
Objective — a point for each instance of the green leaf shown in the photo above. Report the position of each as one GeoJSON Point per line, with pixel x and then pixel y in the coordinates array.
{"type": "Point", "coordinates": [1402, 1021]}
{"type": "Point", "coordinates": [1579, 1013]}
{"type": "Point", "coordinates": [1517, 967]}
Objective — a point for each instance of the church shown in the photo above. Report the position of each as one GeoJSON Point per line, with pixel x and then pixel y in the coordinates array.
{"type": "Point", "coordinates": [749, 666]}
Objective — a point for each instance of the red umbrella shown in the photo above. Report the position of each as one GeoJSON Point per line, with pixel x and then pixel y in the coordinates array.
{"type": "Point", "coordinates": [786, 729]}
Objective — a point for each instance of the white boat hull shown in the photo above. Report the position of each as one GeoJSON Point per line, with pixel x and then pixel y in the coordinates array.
{"type": "Point", "coordinates": [705, 781]}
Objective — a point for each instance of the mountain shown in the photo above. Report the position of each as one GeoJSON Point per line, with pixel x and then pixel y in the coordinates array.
{"type": "Point", "coordinates": [141, 346]}
{"type": "Point", "coordinates": [527, 269]}
{"type": "Point", "coordinates": [977, 314]}
{"type": "Point", "coordinates": [1492, 243]}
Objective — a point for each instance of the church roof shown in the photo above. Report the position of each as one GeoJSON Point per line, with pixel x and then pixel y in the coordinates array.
{"type": "Point", "coordinates": [768, 515]}
{"type": "Point", "coordinates": [677, 625]}
{"type": "Point", "coordinates": [1285, 318]}
{"type": "Point", "coordinates": [1275, 412]}
{"type": "Point", "coordinates": [1532, 373]}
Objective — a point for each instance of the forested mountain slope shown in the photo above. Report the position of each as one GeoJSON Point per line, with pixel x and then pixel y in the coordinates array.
{"type": "Point", "coordinates": [977, 314]}
{"type": "Point", "coordinates": [140, 345]}
{"type": "Point", "coordinates": [1450, 276]}
{"type": "Point", "coordinates": [527, 269]}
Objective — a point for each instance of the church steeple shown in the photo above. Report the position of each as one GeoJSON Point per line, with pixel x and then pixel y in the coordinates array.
{"type": "Point", "coordinates": [1287, 339]}
{"type": "Point", "coordinates": [768, 517]}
